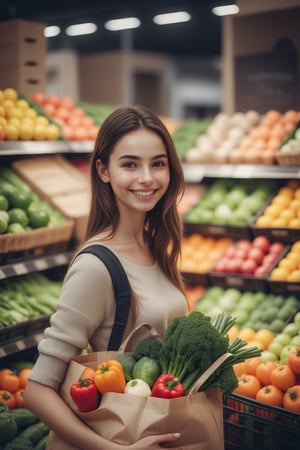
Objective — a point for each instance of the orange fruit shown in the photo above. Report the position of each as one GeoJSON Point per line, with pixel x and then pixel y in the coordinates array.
{"type": "Point", "coordinates": [264, 336]}
{"type": "Point", "coordinates": [286, 191]}
{"type": "Point", "coordinates": [251, 365]}
{"type": "Point", "coordinates": [264, 370]}
{"type": "Point", "coordinates": [279, 273]}
{"type": "Point", "coordinates": [264, 221]}
{"type": "Point", "coordinates": [283, 377]}
{"type": "Point", "coordinates": [247, 334]}
{"type": "Point", "coordinates": [273, 210]}
{"type": "Point", "coordinates": [282, 200]}
{"type": "Point", "coordinates": [280, 222]}
{"type": "Point", "coordinates": [289, 264]}
{"type": "Point", "coordinates": [294, 276]}
{"type": "Point", "coordinates": [294, 223]}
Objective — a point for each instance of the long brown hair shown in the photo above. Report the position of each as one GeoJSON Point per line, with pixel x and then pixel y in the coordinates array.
{"type": "Point", "coordinates": [163, 226]}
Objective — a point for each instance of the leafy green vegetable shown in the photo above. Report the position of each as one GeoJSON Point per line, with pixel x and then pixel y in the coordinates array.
{"type": "Point", "coordinates": [192, 343]}
{"type": "Point", "coordinates": [147, 347]}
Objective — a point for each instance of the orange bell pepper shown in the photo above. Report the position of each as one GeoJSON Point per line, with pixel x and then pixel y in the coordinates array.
{"type": "Point", "coordinates": [109, 377]}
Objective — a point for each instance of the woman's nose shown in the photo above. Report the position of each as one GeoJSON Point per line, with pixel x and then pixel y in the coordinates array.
{"type": "Point", "coordinates": [145, 176]}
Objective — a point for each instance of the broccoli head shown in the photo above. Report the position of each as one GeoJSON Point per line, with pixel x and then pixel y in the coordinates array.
{"type": "Point", "coordinates": [149, 347]}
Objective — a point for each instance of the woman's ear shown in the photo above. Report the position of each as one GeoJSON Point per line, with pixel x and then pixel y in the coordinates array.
{"type": "Point", "coordinates": [102, 171]}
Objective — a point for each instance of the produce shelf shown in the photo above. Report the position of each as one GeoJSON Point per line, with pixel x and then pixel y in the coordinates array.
{"type": "Point", "coordinates": [196, 172]}
{"type": "Point", "coordinates": [34, 265]}
{"type": "Point", "coordinates": [249, 425]}
{"type": "Point", "coordinates": [15, 346]}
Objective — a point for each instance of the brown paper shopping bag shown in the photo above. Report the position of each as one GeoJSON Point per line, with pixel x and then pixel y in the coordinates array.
{"type": "Point", "coordinates": [125, 419]}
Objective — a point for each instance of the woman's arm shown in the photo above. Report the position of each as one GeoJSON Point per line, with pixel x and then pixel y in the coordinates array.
{"type": "Point", "coordinates": [46, 404]}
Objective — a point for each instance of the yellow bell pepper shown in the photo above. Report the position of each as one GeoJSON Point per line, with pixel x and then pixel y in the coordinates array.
{"type": "Point", "coordinates": [109, 377]}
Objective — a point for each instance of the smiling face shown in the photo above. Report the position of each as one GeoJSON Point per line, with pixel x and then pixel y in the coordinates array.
{"type": "Point", "coordinates": [138, 171]}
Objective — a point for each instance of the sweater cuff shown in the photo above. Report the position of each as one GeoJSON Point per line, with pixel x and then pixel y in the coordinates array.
{"type": "Point", "coordinates": [49, 371]}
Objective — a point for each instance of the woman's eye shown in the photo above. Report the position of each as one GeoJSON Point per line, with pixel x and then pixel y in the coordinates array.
{"type": "Point", "coordinates": [159, 164]}
{"type": "Point", "coordinates": [129, 165]}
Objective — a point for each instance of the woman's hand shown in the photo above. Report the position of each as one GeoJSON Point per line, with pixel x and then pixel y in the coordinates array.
{"type": "Point", "coordinates": [155, 442]}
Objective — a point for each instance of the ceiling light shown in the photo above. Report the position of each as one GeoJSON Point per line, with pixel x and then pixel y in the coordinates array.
{"type": "Point", "coordinates": [226, 10]}
{"type": "Point", "coordinates": [122, 24]}
{"type": "Point", "coordinates": [51, 31]}
{"type": "Point", "coordinates": [81, 28]}
{"type": "Point", "coordinates": [175, 17]}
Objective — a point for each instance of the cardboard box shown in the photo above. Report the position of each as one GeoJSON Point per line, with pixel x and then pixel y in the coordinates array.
{"type": "Point", "coordinates": [61, 184]}
{"type": "Point", "coordinates": [22, 56]}
{"type": "Point", "coordinates": [25, 79]}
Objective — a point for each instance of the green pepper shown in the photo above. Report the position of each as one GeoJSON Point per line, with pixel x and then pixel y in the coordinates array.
{"type": "Point", "coordinates": [167, 386]}
{"type": "Point", "coordinates": [85, 394]}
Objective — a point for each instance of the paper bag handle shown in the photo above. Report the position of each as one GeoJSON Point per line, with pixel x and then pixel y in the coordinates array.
{"type": "Point", "coordinates": [154, 333]}
{"type": "Point", "coordinates": [208, 372]}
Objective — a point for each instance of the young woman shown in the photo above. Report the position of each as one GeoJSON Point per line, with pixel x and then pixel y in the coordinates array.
{"type": "Point", "coordinates": [136, 181]}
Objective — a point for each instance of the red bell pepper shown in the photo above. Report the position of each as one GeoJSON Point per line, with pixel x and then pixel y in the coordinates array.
{"type": "Point", "coordinates": [167, 386]}
{"type": "Point", "coordinates": [85, 394]}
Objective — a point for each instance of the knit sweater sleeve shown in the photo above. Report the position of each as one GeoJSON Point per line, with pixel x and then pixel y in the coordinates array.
{"type": "Point", "coordinates": [86, 303]}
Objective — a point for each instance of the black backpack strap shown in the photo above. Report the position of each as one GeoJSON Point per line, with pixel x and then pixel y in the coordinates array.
{"type": "Point", "coordinates": [121, 289]}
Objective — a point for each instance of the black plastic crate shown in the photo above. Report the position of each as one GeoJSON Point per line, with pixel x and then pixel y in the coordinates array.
{"type": "Point", "coordinates": [250, 425]}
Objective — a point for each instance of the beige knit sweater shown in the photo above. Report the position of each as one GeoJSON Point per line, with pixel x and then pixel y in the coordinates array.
{"type": "Point", "coordinates": [86, 309]}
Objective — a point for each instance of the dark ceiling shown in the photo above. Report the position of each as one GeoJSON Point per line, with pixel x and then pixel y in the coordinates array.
{"type": "Point", "coordinates": [200, 37]}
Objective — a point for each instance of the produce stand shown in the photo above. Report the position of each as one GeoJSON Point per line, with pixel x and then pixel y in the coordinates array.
{"type": "Point", "coordinates": [249, 424]}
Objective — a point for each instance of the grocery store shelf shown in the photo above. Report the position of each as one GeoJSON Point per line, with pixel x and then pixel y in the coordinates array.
{"type": "Point", "coordinates": [34, 265]}
{"type": "Point", "coordinates": [10, 348]}
{"type": "Point", "coordinates": [26, 148]}
{"type": "Point", "coordinates": [194, 173]}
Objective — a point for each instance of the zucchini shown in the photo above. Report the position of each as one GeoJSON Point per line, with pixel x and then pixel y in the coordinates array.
{"type": "Point", "coordinates": [23, 417]}
{"type": "Point", "coordinates": [18, 443]}
{"type": "Point", "coordinates": [42, 443]}
{"type": "Point", "coordinates": [35, 432]}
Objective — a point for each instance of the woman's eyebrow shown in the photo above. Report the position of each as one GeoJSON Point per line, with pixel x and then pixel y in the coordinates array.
{"type": "Point", "coordinates": [135, 157]}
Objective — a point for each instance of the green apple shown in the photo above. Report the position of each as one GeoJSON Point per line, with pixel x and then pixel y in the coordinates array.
{"type": "Point", "coordinates": [295, 341]}
{"type": "Point", "coordinates": [297, 318]}
{"type": "Point", "coordinates": [284, 354]}
{"type": "Point", "coordinates": [291, 329]}
{"type": "Point", "coordinates": [283, 338]}
{"type": "Point", "coordinates": [266, 355]}
{"type": "Point", "coordinates": [275, 347]}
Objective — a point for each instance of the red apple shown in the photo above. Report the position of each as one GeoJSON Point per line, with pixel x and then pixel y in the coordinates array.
{"type": "Point", "coordinates": [234, 265]}
{"type": "Point", "coordinates": [276, 247]}
{"type": "Point", "coordinates": [241, 253]}
{"type": "Point", "coordinates": [230, 251]}
{"type": "Point", "coordinates": [220, 265]}
{"type": "Point", "coordinates": [261, 271]}
{"type": "Point", "coordinates": [261, 242]}
{"type": "Point", "coordinates": [257, 254]}
{"type": "Point", "coordinates": [244, 244]}
{"type": "Point", "coordinates": [248, 267]}
{"type": "Point", "coordinates": [269, 260]}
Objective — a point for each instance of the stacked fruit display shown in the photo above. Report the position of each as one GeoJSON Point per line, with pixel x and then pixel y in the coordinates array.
{"type": "Point", "coordinates": [250, 257]}
{"type": "Point", "coordinates": [274, 378]}
{"type": "Point", "coordinates": [288, 268]}
{"type": "Point", "coordinates": [252, 310]}
{"type": "Point", "coordinates": [283, 211]}
{"type": "Point", "coordinates": [231, 202]}
{"type": "Point", "coordinates": [264, 140]}
{"type": "Point", "coordinates": [221, 138]}
{"type": "Point", "coordinates": [199, 253]}
{"type": "Point", "coordinates": [75, 123]}
{"type": "Point", "coordinates": [20, 121]}
{"type": "Point", "coordinates": [21, 209]}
